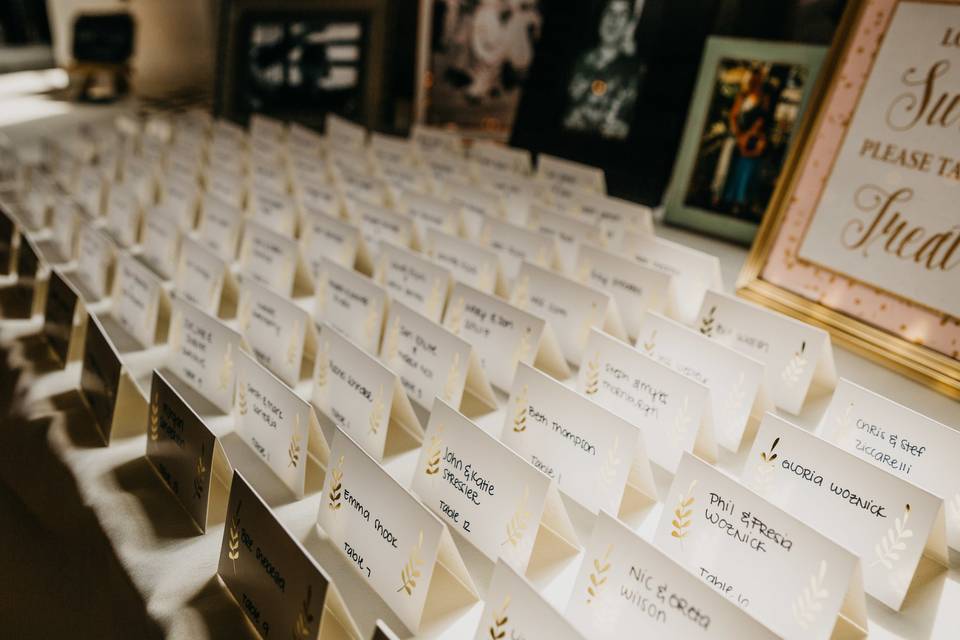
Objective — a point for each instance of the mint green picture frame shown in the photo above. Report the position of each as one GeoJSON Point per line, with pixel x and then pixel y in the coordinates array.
{"type": "Point", "coordinates": [717, 223]}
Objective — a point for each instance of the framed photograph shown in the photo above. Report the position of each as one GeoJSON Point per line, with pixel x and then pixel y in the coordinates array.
{"type": "Point", "coordinates": [473, 57]}
{"type": "Point", "coordinates": [610, 85]}
{"type": "Point", "coordinates": [863, 232]}
{"type": "Point", "coordinates": [746, 108]}
{"type": "Point", "coordinates": [299, 59]}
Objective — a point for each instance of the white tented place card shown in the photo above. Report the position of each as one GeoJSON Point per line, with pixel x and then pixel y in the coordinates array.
{"type": "Point", "coordinates": [323, 237]}
{"type": "Point", "coordinates": [340, 132]}
{"type": "Point", "coordinates": [95, 256]}
{"type": "Point", "coordinates": [304, 140]}
{"type": "Point", "coordinates": [738, 393]}
{"type": "Point", "coordinates": [571, 308]}
{"type": "Point", "coordinates": [784, 573]}
{"type": "Point", "coordinates": [635, 288]}
{"type": "Point", "coordinates": [123, 216]}
{"type": "Point", "coordinates": [266, 128]}
{"type": "Point", "coordinates": [278, 426]}
{"type": "Point", "coordinates": [404, 178]}
{"type": "Point", "coordinates": [568, 232]}
{"type": "Point", "coordinates": [138, 300]}
{"type": "Point", "coordinates": [435, 140]}
{"type": "Point", "coordinates": [187, 455]}
{"type": "Point", "coordinates": [796, 354]}
{"type": "Point", "coordinates": [474, 204]}
{"type": "Point", "coordinates": [887, 521]}
{"type": "Point", "coordinates": [360, 395]}
{"type": "Point", "coordinates": [203, 353]}
{"type": "Point", "coordinates": [500, 157]}
{"type": "Point", "coordinates": [467, 262]}
{"type": "Point", "coordinates": [260, 560]}
{"type": "Point", "coordinates": [91, 189]}
{"type": "Point", "coordinates": [614, 216]}
{"type": "Point", "coordinates": [269, 258]}
{"type": "Point", "coordinates": [899, 440]}
{"type": "Point", "coordinates": [160, 243]}
{"type": "Point", "coordinates": [413, 280]}
{"type": "Point", "coordinates": [430, 212]}
{"type": "Point", "coordinates": [672, 410]}
{"type": "Point", "coordinates": [387, 149]}
{"type": "Point", "coordinates": [595, 456]}
{"type": "Point", "coordinates": [379, 225]}
{"type": "Point", "coordinates": [403, 551]}
{"type": "Point", "coordinates": [570, 173]}
{"type": "Point", "coordinates": [503, 336]}
{"type": "Point", "coordinates": [219, 228]}
{"type": "Point", "coordinates": [314, 197]}
{"type": "Point", "coordinates": [65, 221]}
{"type": "Point", "coordinates": [628, 588]}
{"type": "Point", "coordinates": [202, 278]}
{"type": "Point", "coordinates": [226, 185]}
{"type": "Point", "coordinates": [108, 390]}
{"type": "Point", "coordinates": [692, 272]}
{"type": "Point", "coordinates": [514, 245]}
{"type": "Point", "coordinates": [182, 199]}
{"type": "Point", "coordinates": [516, 192]}
{"type": "Point", "coordinates": [515, 609]}
{"type": "Point", "coordinates": [139, 176]}
{"type": "Point", "coordinates": [273, 210]}
{"type": "Point", "coordinates": [433, 363]}
{"type": "Point", "coordinates": [351, 303]}
{"type": "Point", "coordinates": [278, 332]}
{"type": "Point", "coordinates": [496, 500]}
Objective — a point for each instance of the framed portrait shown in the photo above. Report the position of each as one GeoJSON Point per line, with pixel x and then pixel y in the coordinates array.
{"type": "Point", "coordinates": [299, 59]}
{"type": "Point", "coordinates": [610, 84]}
{"type": "Point", "coordinates": [863, 232]}
{"type": "Point", "coordinates": [747, 105]}
{"type": "Point", "coordinates": [473, 58]}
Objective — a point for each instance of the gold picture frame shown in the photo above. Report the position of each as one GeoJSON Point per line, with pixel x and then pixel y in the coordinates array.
{"type": "Point", "coordinates": [897, 349]}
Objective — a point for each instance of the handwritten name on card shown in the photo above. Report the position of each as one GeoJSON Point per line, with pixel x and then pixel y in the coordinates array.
{"type": "Point", "coordinates": [219, 228]}
{"type": "Point", "coordinates": [200, 276]}
{"type": "Point", "coordinates": [351, 303]}
{"type": "Point", "coordinates": [137, 298]}
{"type": "Point", "coordinates": [268, 258]}
{"type": "Point", "coordinates": [415, 281]}
{"type": "Point", "coordinates": [275, 328]}
{"type": "Point", "coordinates": [467, 262]}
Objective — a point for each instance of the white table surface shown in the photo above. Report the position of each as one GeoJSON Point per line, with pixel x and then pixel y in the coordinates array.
{"type": "Point", "coordinates": [172, 571]}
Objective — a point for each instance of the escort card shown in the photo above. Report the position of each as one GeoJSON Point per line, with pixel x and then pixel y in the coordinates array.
{"type": "Point", "coordinates": [317, 198]}
{"type": "Point", "coordinates": [160, 245]}
{"type": "Point", "coordinates": [359, 394]}
{"type": "Point", "coordinates": [568, 232]}
{"type": "Point", "coordinates": [91, 190]}
{"type": "Point", "coordinates": [266, 128]}
{"type": "Point", "coordinates": [515, 609]}
{"type": "Point", "coordinates": [63, 319]}
{"type": "Point", "coordinates": [186, 455]}
{"type": "Point", "coordinates": [595, 456]}
{"type": "Point", "coordinates": [499, 157]}
{"type": "Point", "coordinates": [351, 303]}
{"type": "Point", "coordinates": [433, 139]}
{"type": "Point", "coordinates": [278, 426]}
{"type": "Point", "coordinates": [570, 173]}
{"type": "Point", "coordinates": [634, 287]}
{"type": "Point", "coordinates": [692, 272]}
{"type": "Point", "coordinates": [95, 254]}
{"type": "Point", "coordinates": [304, 139]}
{"type": "Point", "coordinates": [884, 519]}
{"type": "Point", "coordinates": [516, 192]}
{"type": "Point", "coordinates": [389, 149]}
{"type": "Point", "coordinates": [430, 212]}
{"type": "Point", "coordinates": [268, 258]}
{"type": "Point", "coordinates": [138, 300]}
{"type": "Point", "coordinates": [628, 588]}
{"type": "Point", "coordinates": [497, 501]}
{"type": "Point", "coordinates": [379, 225]}
{"type": "Point", "coordinates": [225, 185]}
{"type": "Point", "coordinates": [139, 176]}
{"type": "Point", "coordinates": [475, 205]}
{"type": "Point", "coordinates": [275, 211]}
{"type": "Point", "coordinates": [403, 178]}
{"type": "Point", "coordinates": [467, 262]}
{"type": "Point", "coordinates": [219, 228]}
{"type": "Point", "coordinates": [514, 245]}
{"type": "Point", "coordinates": [65, 219]}
{"type": "Point", "coordinates": [202, 278]}
{"type": "Point", "coordinates": [503, 336]}
{"type": "Point", "coordinates": [432, 362]}
{"type": "Point", "coordinates": [572, 309]}
{"type": "Point", "coordinates": [795, 354]}
{"type": "Point", "coordinates": [738, 395]}
{"type": "Point", "coordinates": [413, 280]}
{"type": "Point", "coordinates": [116, 403]}
{"type": "Point", "coordinates": [278, 331]}
{"type": "Point", "coordinates": [614, 216]}
{"type": "Point", "coordinates": [123, 216]}
{"type": "Point", "coordinates": [259, 559]}
{"type": "Point", "coordinates": [182, 199]}
{"type": "Point", "coordinates": [403, 551]}
{"type": "Point", "coordinates": [203, 353]}
{"type": "Point", "coordinates": [323, 237]}
{"type": "Point", "coordinates": [897, 439]}
{"type": "Point", "coordinates": [672, 410]}
{"type": "Point", "coordinates": [785, 574]}
{"type": "Point", "coordinates": [340, 132]}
